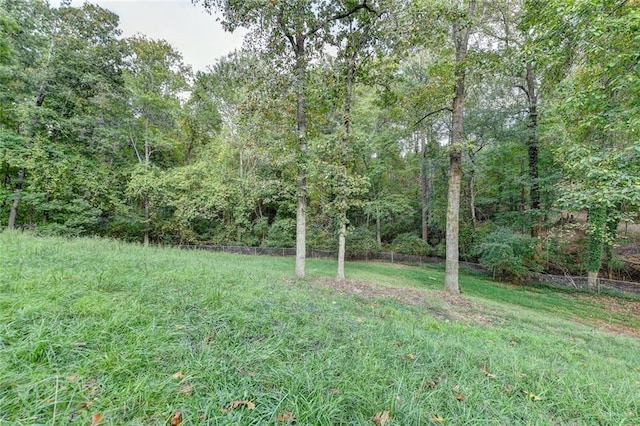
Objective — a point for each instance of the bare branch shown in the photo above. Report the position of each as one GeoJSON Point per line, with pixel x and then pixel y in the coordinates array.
{"type": "Point", "coordinates": [430, 114]}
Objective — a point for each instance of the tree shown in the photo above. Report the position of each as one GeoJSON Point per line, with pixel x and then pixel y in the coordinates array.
{"type": "Point", "coordinates": [594, 107]}
{"type": "Point", "coordinates": [295, 27]}
{"type": "Point", "coordinates": [461, 33]}
{"type": "Point", "coordinates": [155, 77]}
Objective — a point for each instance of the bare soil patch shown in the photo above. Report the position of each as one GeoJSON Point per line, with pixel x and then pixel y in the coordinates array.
{"type": "Point", "coordinates": [441, 304]}
{"type": "Point", "coordinates": [458, 308]}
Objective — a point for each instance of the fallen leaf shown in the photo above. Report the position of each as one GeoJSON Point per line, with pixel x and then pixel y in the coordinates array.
{"type": "Point", "coordinates": [186, 388]}
{"type": "Point", "coordinates": [86, 404]}
{"type": "Point", "coordinates": [286, 417]}
{"type": "Point", "coordinates": [411, 356]}
{"type": "Point", "coordinates": [460, 397]}
{"type": "Point", "coordinates": [382, 418]}
{"type": "Point", "coordinates": [178, 375]}
{"type": "Point", "coordinates": [487, 373]}
{"type": "Point", "coordinates": [96, 419]}
{"type": "Point", "coordinates": [429, 384]}
{"type": "Point", "coordinates": [533, 396]}
{"type": "Point", "coordinates": [176, 419]}
{"type": "Point", "coordinates": [72, 378]}
{"type": "Point", "coordinates": [226, 409]}
{"type": "Point", "coordinates": [436, 419]}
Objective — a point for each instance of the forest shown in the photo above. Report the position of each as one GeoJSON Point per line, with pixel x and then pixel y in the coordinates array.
{"type": "Point", "coordinates": [504, 132]}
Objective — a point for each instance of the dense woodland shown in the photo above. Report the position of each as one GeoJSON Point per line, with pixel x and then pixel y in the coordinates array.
{"type": "Point", "coordinates": [457, 128]}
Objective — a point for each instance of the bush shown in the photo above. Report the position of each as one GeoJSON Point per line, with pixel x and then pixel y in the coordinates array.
{"type": "Point", "coordinates": [508, 254]}
{"type": "Point", "coordinates": [282, 233]}
{"type": "Point", "coordinates": [411, 244]}
{"type": "Point", "coordinates": [361, 240]}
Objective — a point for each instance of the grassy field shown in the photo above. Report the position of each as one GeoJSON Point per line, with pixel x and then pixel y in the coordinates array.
{"type": "Point", "coordinates": [101, 332]}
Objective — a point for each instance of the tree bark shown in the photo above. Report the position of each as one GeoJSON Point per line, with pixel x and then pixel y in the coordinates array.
{"type": "Point", "coordinates": [424, 184]}
{"type": "Point", "coordinates": [461, 40]}
{"type": "Point", "coordinates": [301, 203]}
{"type": "Point", "coordinates": [16, 200]}
{"type": "Point", "coordinates": [592, 280]}
{"type": "Point", "coordinates": [532, 149]}
{"type": "Point", "coordinates": [342, 247]}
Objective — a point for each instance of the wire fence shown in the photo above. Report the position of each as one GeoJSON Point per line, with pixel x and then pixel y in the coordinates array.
{"type": "Point", "coordinates": [560, 281]}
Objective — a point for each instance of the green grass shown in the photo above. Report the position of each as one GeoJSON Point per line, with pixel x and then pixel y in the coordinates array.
{"type": "Point", "coordinates": [93, 326]}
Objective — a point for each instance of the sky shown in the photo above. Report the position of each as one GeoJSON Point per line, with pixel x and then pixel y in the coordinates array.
{"type": "Point", "coordinates": [188, 28]}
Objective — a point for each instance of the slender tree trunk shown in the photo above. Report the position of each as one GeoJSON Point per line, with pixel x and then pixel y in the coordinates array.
{"type": "Point", "coordinates": [378, 229]}
{"type": "Point", "coordinates": [472, 196]}
{"type": "Point", "coordinates": [424, 184]}
{"type": "Point", "coordinates": [13, 213]}
{"type": "Point", "coordinates": [145, 208]}
{"type": "Point", "coordinates": [461, 39]}
{"type": "Point", "coordinates": [592, 280]}
{"type": "Point", "coordinates": [301, 204]}
{"type": "Point", "coordinates": [532, 148]}
{"type": "Point", "coordinates": [346, 134]}
{"type": "Point", "coordinates": [342, 245]}
{"type": "Point", "coordinates": [145, 199]}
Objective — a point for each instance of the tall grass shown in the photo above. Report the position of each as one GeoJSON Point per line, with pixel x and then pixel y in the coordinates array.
{"type": "Point", "coordinates": [92, 327]}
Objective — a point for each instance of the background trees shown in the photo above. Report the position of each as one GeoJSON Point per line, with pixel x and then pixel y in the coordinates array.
{"type": "Point", "coordinates": [339, 125]}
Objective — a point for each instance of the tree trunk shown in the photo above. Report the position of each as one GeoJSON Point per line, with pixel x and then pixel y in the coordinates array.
{"type": "Point", "coordinates": [592, 280]}
{"type": "Point", "coordinates": [532, 148]}
{"type": "Point", "coordinates": [424, 184]}
{"type": "Point", "coordinates": [346, 134]}
{"type": "Point", "coordinates": [301, 204]}
{"type": "Point", "coordinates": [461, 40]}
{"type": "Point", "coordinates": [453, 224]}
{"type": "Point", "coordinates": [145, 208]}
{"type": "Point", "coordinates": [342, 245]}
{"type": "Point", "coordinates": [16, 200]}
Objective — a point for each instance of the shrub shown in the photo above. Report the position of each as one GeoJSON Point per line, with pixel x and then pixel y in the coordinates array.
{"type": "Point", "coordinates": [361, 240]}
{"type": "Point", "coordinates": [411, 244]}
{"type": "Point", "coordinates": [282, 233]}
{"type": "Point", "coordinates": [508, 254]}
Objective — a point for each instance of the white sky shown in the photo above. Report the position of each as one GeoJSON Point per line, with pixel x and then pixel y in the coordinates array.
{"type": "Point", "coordinates": [188, 28]}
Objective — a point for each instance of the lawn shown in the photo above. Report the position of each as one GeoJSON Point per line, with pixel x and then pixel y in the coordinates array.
{"type": "Point", "coordinates": [101, 332]}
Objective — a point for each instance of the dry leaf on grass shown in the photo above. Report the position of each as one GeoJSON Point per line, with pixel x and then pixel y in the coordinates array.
{"type": "Point", "coordinates": [186, 388]}
{"type": "Point", "coordinates": [176, 420]}
{"type": "Point", "coordinates": [382, 418]}
{"type": "Point", "coordinates": [286, 417]}
{"type": "Point", "coordinates": [429, 384]}
{"type": "Point", "coordinates": [486, 372]}
{"type": "Point", "coordinates": [235, 404]}
{"type": "Point", "coordinates": [96, 419]}
{"type": "Point", "coordinates": [436, 419]}
{"type": "Point", "coordinates": [178, 375]}
{"type": "Point", "coordinates": [532, 396]}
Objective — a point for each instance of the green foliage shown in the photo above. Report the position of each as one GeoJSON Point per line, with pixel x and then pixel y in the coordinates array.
{"type": "Point", "coordinates": [361, 240]}
{"type": "Point", "coordinates": [282, 233]}
{"type": "Point", "coordinates": [411, 244]}
{"type": "Point", "coordinates": [508, 254]}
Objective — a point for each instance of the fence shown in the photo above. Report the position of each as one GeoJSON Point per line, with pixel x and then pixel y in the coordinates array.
{"type": "Point", "coordinates": [580, 283]}
{"type": "Point", "coordinates": [562, 281]}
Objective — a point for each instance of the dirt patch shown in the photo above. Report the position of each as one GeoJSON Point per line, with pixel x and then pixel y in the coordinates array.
{"type": "Point", "coordinates": [627, 308]}
{"type": "Point", "coordinates": [441, 304]}
{"type": "Point", "coordinates": [446, 306]}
